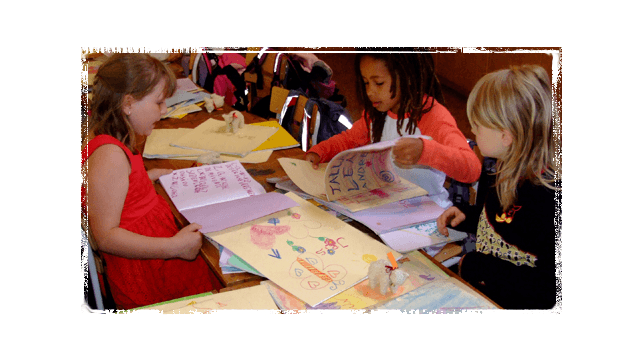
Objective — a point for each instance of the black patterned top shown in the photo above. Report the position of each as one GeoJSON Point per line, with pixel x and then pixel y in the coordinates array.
{"type": "Point", "coordinates": [514, 262]}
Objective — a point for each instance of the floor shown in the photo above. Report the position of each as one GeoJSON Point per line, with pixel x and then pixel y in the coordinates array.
{"type": "Point", "coordinates": [342, 65]}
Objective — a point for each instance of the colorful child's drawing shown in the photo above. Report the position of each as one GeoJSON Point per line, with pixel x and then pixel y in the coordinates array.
{"type": "Point", "coordinates": [357, 179]}
{"type": "Point", "coordinates": [314, 275]}
{"type": "Point", "coordinates": [421, 271]}
{"type": "Point", "coordinates": [326, 256]}
{"type": "Point", "coordinates": [264, 236]}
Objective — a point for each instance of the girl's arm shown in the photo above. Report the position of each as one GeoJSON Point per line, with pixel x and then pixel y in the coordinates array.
{"type": "Point", "coordinates": [154, 174]}
{"type": "Point", "coordinates": [472, 212]}
{"type": "Point", "coordinates": [352, 138]}
{"type": "Point", "coordinates": [108, 184]}
{"type": "Point", "coordinates": [449, 151]}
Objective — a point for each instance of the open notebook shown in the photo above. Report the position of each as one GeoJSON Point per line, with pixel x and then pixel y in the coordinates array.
{"type": "Point", "coordinates": [221, 195]}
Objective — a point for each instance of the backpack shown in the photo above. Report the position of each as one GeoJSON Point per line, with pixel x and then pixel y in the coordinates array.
{"type": "Point", "coordinates": [287, 71]}
{"type": "Point", "coordinates": [311, 121]}
{"type": "Point", "coordinates": [217, 76]}
{"type": "Point", "coordinates": [315, 83]}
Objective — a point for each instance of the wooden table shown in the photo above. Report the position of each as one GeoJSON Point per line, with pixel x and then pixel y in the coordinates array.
{"type": "Point", "coordinates": [260, 172]}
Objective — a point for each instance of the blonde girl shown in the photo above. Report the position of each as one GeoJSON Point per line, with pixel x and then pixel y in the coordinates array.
{"type": "Point", "coordinates": [510, 112]}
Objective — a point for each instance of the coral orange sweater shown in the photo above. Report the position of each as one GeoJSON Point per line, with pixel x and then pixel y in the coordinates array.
{"type": "Point", "coordinates": [447, 152]}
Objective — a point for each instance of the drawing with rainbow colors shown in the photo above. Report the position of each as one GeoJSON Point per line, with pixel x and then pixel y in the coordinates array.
{"type": "Point", "coordinates": [306, 251]}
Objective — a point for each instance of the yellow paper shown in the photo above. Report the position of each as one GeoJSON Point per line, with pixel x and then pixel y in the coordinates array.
{"type": "Point", "coordinates": [158, 144]}
{"type": "Point", "coordinates": [310, 180]}
{"type": "Point", "coordinates": [211, 135]}
{"type": "Point", "coordinates": [251, 298]}
{"type": "Point", "coordinates": [305, 250]}
{"type": "Point", "coordinates": [280, 140]}
{"type": "Point", "coordinates": [251, 158]}
{"type": "Point", "coordinates": [182, 111]}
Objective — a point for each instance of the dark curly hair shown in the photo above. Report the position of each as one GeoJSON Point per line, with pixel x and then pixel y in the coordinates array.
{"type": "Point", "coordinates": [416, 73]}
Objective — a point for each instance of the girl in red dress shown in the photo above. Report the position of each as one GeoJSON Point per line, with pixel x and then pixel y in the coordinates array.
{"type": "Point", "coordinates": [148, 259]}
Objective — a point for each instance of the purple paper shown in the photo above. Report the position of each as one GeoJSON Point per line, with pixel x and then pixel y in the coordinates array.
{"type": "Point", "coordinates": [390, 217]}
{"type": "Point", "coordinates": [224, 215]}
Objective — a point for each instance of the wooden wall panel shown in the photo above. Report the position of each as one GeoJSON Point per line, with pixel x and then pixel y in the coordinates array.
{"type": "Point", "coordinates": [461, 71]}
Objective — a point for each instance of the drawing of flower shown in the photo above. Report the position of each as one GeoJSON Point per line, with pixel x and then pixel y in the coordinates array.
{"type": "Point", "coordinates": [295, 216]}
{"type": "Point", "coordinates": [331, 251]}
{"type": "Point", "coordinates": [265, 236]}
{"type": "Point", "coordinates": [299, 249]}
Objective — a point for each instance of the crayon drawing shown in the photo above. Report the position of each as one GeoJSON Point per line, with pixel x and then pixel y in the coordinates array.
{"type": "Point", "coordinates": [305, 250]}
{"type": "Point", "coordinates": [314, 275]}
{"type": "Point", "coordinates": [421, 271]}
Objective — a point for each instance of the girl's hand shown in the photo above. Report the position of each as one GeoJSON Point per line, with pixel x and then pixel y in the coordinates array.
{"type": "Point", "coordinates": [452, 216]}
{"type": "Point", "coordinates": [188, 242]}
{"type": "Point", "coordinates": [407, 151]}
{"type": "Point", "coordinates": [313, 158]}
{"type": "Point", "coordinates": [154, 174]}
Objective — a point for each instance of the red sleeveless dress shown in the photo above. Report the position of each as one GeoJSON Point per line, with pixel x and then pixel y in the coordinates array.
{"type": "Point", "coordinates": [138, 282]}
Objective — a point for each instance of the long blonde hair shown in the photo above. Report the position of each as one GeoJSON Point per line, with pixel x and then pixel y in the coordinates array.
{"type": "Point", "coordinates": [519, 100]}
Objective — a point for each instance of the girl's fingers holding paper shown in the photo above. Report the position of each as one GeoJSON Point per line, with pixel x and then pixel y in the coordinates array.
{"type": "Point", "coordinates": [407, 151]}
{"type": "Point", "coordinates": [452, 216]}
{"type": "Point", "coordinates": [313, 158]}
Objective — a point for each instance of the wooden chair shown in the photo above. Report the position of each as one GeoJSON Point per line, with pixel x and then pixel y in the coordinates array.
{"type": "Point", "coordinates": [303, 126]}
{"type": "Point", "coordinates": [194, 59]}
{"type": "Point", "coordinates": [271, 70]}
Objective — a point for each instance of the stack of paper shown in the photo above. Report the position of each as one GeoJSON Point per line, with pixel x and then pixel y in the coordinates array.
{"type": "Point", "coordinates": [292, 242]}
{"type": "Point", "coordinates": [184, 102]}
{"type": "Point", "coordinates": [362, 184]}
{"type": "Point", "coordinates": [212, 135]}
{"type": "Point", "coordinates": [159, 144]}
{"type": "Point", "coordinates": [230, 263]}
